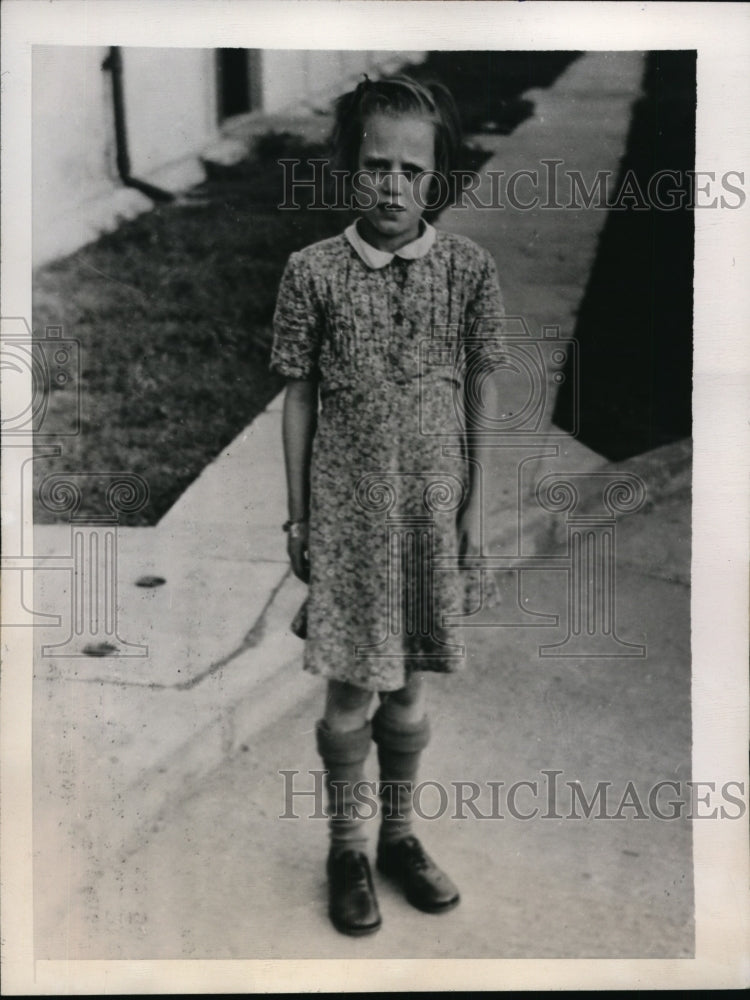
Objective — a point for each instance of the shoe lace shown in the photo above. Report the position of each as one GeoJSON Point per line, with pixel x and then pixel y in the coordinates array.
{"type": "Point", "coordinates": [356, 870]}
{"type": "Point", "coordinates": [418, 857]}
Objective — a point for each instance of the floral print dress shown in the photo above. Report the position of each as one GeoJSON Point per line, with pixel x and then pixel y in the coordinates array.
{"type": "Point", "coordinates": [385, 337]}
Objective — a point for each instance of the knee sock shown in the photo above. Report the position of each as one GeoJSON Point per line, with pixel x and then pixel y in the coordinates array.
{"type": "Point", "coordinates": [400, 746]}
{"type": "Point", "coordinates": [344, 754]}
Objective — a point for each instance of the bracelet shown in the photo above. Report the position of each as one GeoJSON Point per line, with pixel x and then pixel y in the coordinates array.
{"type": "Point", "coordinates": [294, 528]}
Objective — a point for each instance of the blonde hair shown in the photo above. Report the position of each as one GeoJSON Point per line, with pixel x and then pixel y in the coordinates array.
{"type": "Point", "coordinates": [396, 95]}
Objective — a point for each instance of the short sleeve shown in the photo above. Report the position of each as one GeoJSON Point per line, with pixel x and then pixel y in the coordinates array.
{"type": "Point", "coordinates": [296, 324]}
{"type": "Point", "coordinates": [483, 334]}
{"type": "Point", "coordinates": [485, 310]}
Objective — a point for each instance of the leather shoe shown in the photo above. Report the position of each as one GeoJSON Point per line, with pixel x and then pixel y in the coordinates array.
{"type": "Point", "coordinates": [352, 905]}
{"type": "Point", "coordinates": [424, 884]}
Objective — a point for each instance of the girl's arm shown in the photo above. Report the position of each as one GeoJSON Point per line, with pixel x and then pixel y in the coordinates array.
{"type": "Point", "coordinates": [480, 457]}
{"type": "Point", "coordinates": [486, 308]}
{"type": "Point", "coordinates": [299, 422]}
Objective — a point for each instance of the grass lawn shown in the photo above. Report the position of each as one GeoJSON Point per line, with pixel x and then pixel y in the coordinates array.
{"type": "Point", "coordinates": [173, 315]}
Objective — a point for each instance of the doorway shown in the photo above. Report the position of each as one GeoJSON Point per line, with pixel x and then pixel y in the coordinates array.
{"type": "Point", "coordinates": [239, 82]}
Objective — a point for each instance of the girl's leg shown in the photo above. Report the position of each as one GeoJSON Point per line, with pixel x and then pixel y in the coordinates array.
{"type": "Point", "coordinates": [401, 730]}
{"type": "Point", "coordinates": [343, 737]}
{"type": "Point", "coordinates": [408, 704]}
{"type": "Point", "coordinates": [346, 706]}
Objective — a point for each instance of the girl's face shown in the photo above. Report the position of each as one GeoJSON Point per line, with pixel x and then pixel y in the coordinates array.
{"type": "Point", "coordinates": [393, 154]}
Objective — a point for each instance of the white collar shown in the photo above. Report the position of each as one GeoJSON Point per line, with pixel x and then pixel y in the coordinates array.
{"type": "Point", "coordinates": [380, 258]}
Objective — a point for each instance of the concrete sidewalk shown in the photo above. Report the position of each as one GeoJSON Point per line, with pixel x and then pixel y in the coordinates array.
{"type": "Point", "coordinates": [156, 786]}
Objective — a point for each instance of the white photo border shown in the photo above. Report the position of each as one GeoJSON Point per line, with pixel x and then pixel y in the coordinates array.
{"type": "Point", "coordinates": [720, 32]}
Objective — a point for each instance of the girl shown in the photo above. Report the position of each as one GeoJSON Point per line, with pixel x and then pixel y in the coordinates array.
{"type": "Point", "coordinates": [375, 494]}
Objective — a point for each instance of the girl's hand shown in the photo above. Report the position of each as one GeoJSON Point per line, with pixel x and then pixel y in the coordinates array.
{"type": "Point", "coordinates": [468, 530]}
{"type": "Point", "coordinates": [297, 548]}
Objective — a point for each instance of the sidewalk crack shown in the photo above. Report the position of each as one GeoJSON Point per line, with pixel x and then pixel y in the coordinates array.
{"type": "Point", "coordinates": [252, 639]}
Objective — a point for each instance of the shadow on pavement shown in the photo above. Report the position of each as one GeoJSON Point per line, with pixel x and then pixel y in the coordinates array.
{"type": "Point", "coordinates": [634, 327]}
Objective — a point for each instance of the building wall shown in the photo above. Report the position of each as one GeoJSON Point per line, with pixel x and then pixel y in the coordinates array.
{"type": "Point", "coordinates": [73, 158]}
{"type": "Point", "coordinates": [171, 106]}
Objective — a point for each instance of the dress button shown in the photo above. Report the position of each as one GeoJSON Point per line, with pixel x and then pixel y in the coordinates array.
{"type": "Point", "coordinates": [398, 317]}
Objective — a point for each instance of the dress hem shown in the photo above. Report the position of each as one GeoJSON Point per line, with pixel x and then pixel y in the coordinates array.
{"type": "Point", "coordinates": [345, 676]}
